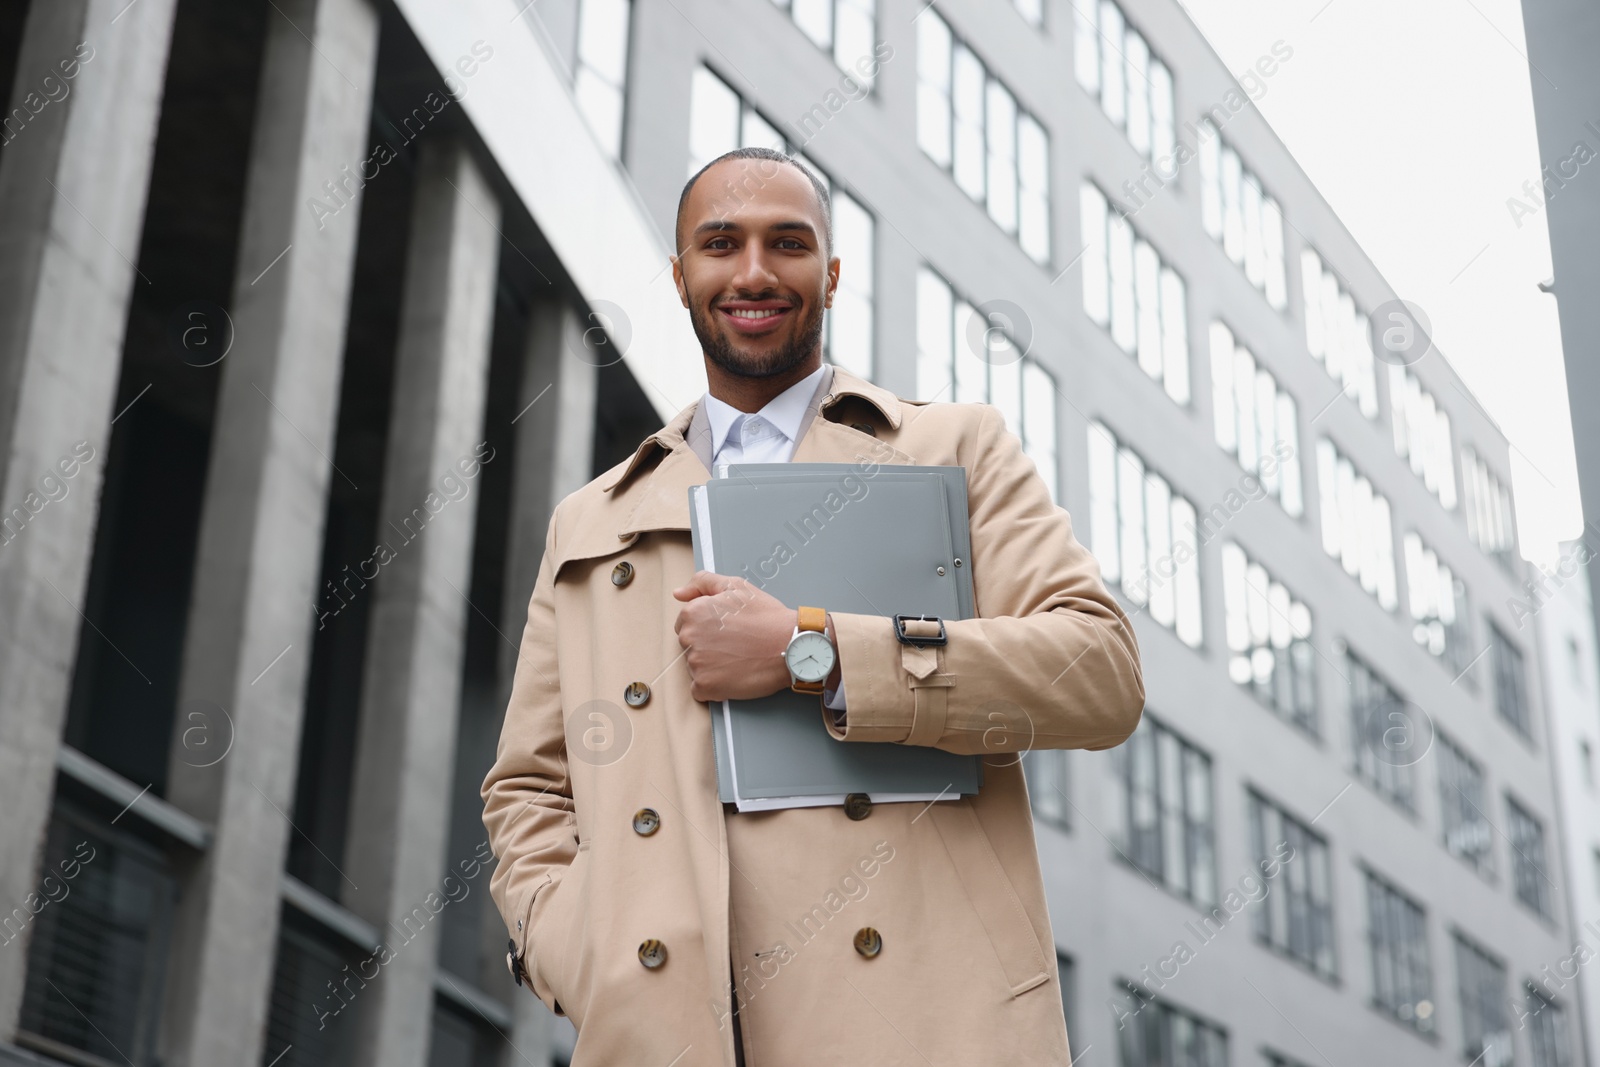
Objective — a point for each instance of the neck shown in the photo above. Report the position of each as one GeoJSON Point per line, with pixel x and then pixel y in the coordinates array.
{"type": "Point", "coordinates": [752, 394]}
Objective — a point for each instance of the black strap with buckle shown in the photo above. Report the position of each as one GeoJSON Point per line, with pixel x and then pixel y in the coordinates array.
{"type": "Point", "coordinates": [912, 639]}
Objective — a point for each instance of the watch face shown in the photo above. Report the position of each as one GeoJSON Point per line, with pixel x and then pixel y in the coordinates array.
{"type": "Point", "coordinates": [810, 656]}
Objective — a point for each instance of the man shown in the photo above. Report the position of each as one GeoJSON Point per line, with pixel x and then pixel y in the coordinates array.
{"type": "Point", "coordinates": [674, 931]}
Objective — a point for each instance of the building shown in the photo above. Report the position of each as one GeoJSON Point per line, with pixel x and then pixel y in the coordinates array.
{"type": "Point", "coordinates": [304, 293]}
{"type": "Point", "coordinates": [1565, 618]}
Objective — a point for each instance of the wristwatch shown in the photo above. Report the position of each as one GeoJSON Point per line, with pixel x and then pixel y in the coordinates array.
{"type": "Point", "coordinates": [810, 654]}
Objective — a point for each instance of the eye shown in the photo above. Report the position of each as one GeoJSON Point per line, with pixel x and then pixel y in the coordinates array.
{"type": "Point", "coordinates": [793, 242]}
{"type": "Point", "coordinates": [713, 243]}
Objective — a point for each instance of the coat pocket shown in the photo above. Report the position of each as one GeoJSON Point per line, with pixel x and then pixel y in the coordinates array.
{"type": "Point", "coordinates": [554, 935]}
{"type": "Point", "coordinates": [993, 897]}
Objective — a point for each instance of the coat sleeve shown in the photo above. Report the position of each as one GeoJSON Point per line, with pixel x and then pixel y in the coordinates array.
{"type": "Point", "coordinates": [527, 795]}
{"type": "Point", "coordinates": [1050, 659]}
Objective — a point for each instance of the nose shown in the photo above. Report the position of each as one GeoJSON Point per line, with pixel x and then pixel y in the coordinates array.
{"type": "Point", "coordinates": [753, 273]}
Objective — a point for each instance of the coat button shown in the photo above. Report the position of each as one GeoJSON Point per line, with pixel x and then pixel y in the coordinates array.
{"type": "Point", "coordinates": [858, 806]}
{"type": "Point", "coordinates": [622, 574]}
{"type": "Point", "coordinates": [868, 942]}
{"type": "Point", "coordinates": [864, 427]}
{"type": "Point", "coordinates": [646, 821]}
{"type": "Point", "coordinates": [652, 953]}
{"type": "Point", "coordinates": [637, 694]}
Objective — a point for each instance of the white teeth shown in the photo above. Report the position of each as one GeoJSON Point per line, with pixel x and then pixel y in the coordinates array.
{"type": "Point", "coordinates": [740, 313]}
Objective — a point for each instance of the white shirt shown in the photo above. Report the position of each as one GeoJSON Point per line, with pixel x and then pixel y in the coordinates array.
{"type": "Point", "coordinates": [767, 436]}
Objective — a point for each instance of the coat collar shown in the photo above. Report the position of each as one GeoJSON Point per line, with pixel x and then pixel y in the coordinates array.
{"type": "Point", "coordinates": [663, 490]}
{"type": "Point", "coordinates": [690, 427]}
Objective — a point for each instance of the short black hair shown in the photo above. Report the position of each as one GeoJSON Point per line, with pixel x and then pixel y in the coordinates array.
{"type": "Point", "coordinates": [774, 156]}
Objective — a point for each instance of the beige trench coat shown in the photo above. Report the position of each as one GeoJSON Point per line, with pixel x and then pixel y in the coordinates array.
{"type": "Point", "coordinates": [966, 973]}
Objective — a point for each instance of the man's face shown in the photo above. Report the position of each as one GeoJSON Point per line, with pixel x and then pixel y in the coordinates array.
{"type": "Point", "coordinates": [751, 267]}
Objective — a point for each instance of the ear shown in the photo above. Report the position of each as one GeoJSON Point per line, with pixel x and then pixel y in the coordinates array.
{"type": "Point", "coordinates": [833, 282]}
{"type": "Point", "coordinates": [677, 280]}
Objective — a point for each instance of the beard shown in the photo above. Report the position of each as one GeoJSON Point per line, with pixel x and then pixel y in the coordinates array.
{"type": "Point", "coordinates": [807, 338]}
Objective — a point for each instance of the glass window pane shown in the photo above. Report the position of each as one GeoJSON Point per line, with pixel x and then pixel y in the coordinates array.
{"type": "Point", "coordinates": [603, 38]}
{"type": "Point", "coordinates": [1138, 57]}
{"type": "Point", "coordinates": [1124, 328]}
{"type": "Point", "coordinates": [713, 119]}
{"type": "Point", "coordinates": [1224, 413]}
{"type": "Point", "coordinates": [933, 87]}
{"type": "Point", "coordinates": [853, 35]}
{"type": "Point", "coordinates": [1174, 337]}
{"type": "Point", "coordinates": [1103, 516]}
{"type": "Point", "coordinates": [1092, 220]}
{"type": "Point", "coordinates": [1113, 72]}
{"type": "Point", "coordinates": [1086, 44]}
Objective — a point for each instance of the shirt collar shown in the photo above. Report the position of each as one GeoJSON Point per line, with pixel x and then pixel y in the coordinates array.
{"type": "Point", "coordinates": [785, 411]}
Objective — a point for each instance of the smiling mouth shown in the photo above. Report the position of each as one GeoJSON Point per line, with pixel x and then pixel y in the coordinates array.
{"type": "Point", "coordinates": [754, 321]}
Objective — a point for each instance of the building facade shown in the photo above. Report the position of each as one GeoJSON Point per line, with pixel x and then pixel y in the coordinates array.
{"type": "Point", "coordinates": [315, 308]}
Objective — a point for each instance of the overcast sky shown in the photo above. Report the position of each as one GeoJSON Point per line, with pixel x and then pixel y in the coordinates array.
{"type": "Point", "coordinates": [1415, 121]}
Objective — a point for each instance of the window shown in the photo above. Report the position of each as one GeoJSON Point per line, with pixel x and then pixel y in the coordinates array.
{"type": "Point", "coordinates": [600, 77]}
{"type": "Point", "coordinates": [720, 121]}
{"type": "Point", "coordinates": [964, 358]}
{"type": "Point", "coordinates": [1157, 1034]}
{"type": "Point", "coordinates": [1046, 772]}
{"type": "Point", "coordinates": [1337, 334]}
{"type": "Point", "coordinates": [1547, 1030]}
{"type": "Point", "coordinates": [1510, 684]}
{"type": "Point", "coordinates": [1031, 10]}
{"type": "Point", "coordinates": [1402, 979]}
{"type": "Point", "coordinates": [1356, 526]}
{"type": "Point", "coordinates": [971, 125]}
{"type": "Point", "coordinates": [1438, 604]}
{"type": "Point", "coordinates": [1278, 1059]}
{"type": "Point", "coordinates": [1161, 804]}
{"type": "Point", "coordinates": [1067, 979]}
{"type": "Point", "coordinates": [1269, 639]}
{"type": "Point", "coordinates": [840, 27]}
{"type": "Point", "coordinates": [1134, 88]}
{"type": "Point", "coordinates": [1422, 434]}
{"type": "Point", "coordinates": [1130, 291]}
{"type": "Point", "coordinates": [1464, 803]}
{"type": "Point", "coordinates": [1528, 878]}
{"type": "Point", "coordinates": [1486, 1030]}
{"type": "Point", "coordinates": [1384, 735]}
{"type": "Point", "coordinates": [1144, 535]}
{"type": "Point", "coordinates": [1296, 915]}
{"type": "Point", "coordinates": [1255, 421]}
{"type": "Point", "coordinates": [1246, 221]}
{"type": "Point", "coordinates": [1487, 503]}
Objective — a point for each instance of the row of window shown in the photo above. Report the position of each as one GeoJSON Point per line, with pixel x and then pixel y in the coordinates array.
{"type": "Point", "coordinates": [1114, 65]}
{"type": "Point", "coordinates": [970, 124]}
{"type": "Point", "coordinates": [1139, 299]}
{"type": "Point", "coordinates": [1162, 823]}
{"type": "Point", "coordinates": [1144, 535]}
{"type": "Point", "coordinates": [1131, 292]}
{"type": "Point", "coordinates": [969, 355]}
{"type": "Point", "coordinates": [1246, 221]}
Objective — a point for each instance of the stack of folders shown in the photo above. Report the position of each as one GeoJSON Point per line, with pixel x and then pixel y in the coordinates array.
{"type": "Point", "coordinates": [896, 541]}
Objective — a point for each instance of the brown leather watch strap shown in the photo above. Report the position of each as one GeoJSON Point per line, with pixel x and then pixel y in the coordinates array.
{"type": "Point", "coordinates": [813, 619]}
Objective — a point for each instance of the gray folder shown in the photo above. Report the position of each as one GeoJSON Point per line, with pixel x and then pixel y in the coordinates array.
{"type": "Point", "coordinates": [827, 535]}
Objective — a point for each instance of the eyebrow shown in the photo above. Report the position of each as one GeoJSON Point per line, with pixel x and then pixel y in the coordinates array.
{"type": "Point", "coordinates": [728, 225]}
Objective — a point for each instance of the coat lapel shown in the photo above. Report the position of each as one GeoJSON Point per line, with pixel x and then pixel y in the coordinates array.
{"type": "Point", "coordinates": [663, 493]}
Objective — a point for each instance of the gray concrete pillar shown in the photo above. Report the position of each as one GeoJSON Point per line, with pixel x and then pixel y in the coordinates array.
{"type": "Point", "coordinates": [554, 447]}
{"type": "Point", "coordinates": [73, 181]}
{"type": "Point", "coordinates": [411, 692]}
{"type": "Point", "coordinates": [554, 455]}
{"type": "Point", "coordinates": [251, 611]}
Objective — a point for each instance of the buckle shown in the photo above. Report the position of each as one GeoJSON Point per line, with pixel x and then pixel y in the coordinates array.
{"type": "Point", "coordinates": [910, 639]}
